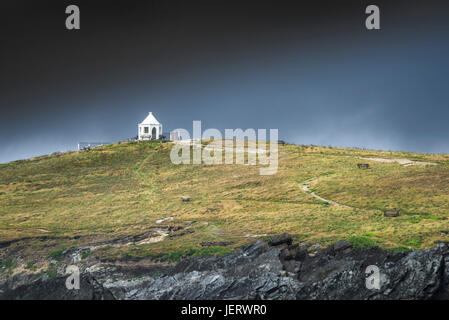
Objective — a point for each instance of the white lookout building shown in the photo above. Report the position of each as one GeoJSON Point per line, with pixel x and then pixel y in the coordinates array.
{"type": "Point", "coordinates": [150, 128]}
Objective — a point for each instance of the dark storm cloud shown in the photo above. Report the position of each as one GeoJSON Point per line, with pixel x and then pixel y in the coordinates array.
{"type": "Point", "coordinates": [309, 68]}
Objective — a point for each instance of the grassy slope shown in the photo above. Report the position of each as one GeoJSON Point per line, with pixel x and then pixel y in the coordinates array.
{"type": "Point", "coordinates": [123, 189]}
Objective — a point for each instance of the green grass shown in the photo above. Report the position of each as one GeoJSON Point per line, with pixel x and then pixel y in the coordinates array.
{"type": "Point", "coordinates": [85, 254]}
{"type": "Point", "coordinates": [414, 242]}
{"type": "Point", "coordinates": [57, 254]}
{"type": "Point", "coordinates": [7, 266]}
{"type": "Point", "coordinates": [363, 242]}
{"type": "Point", "coordinates": [177, 255]}
{"type": "Point", "coordinates": [31, 266]}
{"type": "Point", "coordinates": [401, 249]}
{"type": "Point", "coordinates": [120, 190]}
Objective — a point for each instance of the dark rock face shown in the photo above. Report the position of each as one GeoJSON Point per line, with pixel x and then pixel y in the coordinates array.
{"type": "Point", "coordinates": [262, 271]}
{"type": "Point", "coordinates": [340, 274]}
{"type": "Point", "coordinates": [55, 289]}
{"type": "Point", "coordinates": [251, 273]}
{"type": "Point", "coordinates": [342, 245]}
{"type": "Point", "coordinates": [281, 239]}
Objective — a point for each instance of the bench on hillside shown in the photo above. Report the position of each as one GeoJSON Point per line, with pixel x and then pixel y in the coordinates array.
{"type": "Point", "coordinates": [391, 213]}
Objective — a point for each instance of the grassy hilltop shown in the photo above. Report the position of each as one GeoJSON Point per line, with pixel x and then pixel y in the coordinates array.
{"type": "Point", "coordinates": [51, 203]}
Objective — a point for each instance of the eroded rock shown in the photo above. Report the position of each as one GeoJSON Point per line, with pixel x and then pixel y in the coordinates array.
{"type": "Point", "coordinates": [262, 271]}
{"type": "Point", "coordinates": [280, 239]}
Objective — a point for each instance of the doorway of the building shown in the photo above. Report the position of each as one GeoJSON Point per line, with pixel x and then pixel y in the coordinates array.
{"type": "Point", "coordinates": [153, 134]}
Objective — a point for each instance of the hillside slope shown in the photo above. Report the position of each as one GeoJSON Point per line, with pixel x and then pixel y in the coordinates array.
{"type": "Point", "coordinates": [123, 201]}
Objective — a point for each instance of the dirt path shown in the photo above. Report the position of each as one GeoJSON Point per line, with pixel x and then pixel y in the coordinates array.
{"type": "Point", "coordinates": [145, 178]}
{"type": "Point", "coordinates": [220, 146]}
{"type": "Point", "coordinates": [402, 161]}
{"type": "Point", "coordinates": [305, 188]}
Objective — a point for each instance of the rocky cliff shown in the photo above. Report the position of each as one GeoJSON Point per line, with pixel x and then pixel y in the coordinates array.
{"type": "Point", "coordinates": [275, 270]}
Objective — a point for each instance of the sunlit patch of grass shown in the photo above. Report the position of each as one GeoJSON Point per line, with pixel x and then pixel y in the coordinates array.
{"type": "Point", "coordinates": [414, 242]}
{"type": "Point", "coordinates": [363, 242]}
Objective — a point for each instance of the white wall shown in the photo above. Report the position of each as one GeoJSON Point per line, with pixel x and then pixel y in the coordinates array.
{"type": "Point", "coordinates": [141, 131]}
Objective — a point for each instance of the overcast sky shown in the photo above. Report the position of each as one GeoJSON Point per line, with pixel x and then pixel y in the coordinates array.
{"type": "Point", "coordinates": [312, 71]}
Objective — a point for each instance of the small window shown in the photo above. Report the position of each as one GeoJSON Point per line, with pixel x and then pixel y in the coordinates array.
{"type": "Point", "coordinates": [145, 130]}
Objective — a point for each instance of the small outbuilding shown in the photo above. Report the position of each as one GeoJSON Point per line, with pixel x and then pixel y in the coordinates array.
{"type": "Point", "coordinates": [150, 128]}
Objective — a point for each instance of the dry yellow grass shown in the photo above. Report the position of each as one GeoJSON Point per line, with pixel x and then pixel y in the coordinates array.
{"type": "Point", "coordinates": [122, 189]}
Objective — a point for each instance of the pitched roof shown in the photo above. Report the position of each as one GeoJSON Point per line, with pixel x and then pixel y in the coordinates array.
{"type": "Point", "coordinates": [150, 119]}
